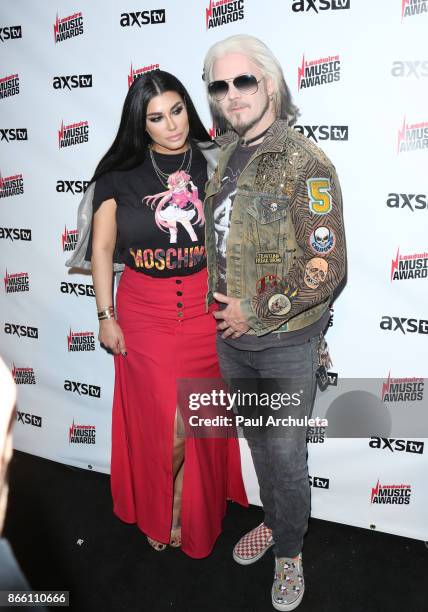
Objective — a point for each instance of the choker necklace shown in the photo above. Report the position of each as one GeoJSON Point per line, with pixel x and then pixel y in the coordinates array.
{"type": "Point", "coordinates": [245, 142]}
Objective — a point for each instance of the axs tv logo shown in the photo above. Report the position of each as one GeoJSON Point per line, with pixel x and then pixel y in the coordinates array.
{"type": "Point", "coordinates": [22, 331]}
{"type": "Point", "coordinates": [72, 81]}
{"type": "Point", "coordinates": [10, 33]}
{"type": "Point", "coordinates": [82, 388]}
{"type": "Point", "coordinates": [404, 325]}
{"type": "Point", "coordinates": [299, 6]}
{"type": "Point", "coordinates": [406, 68]}
{"type": "Point", "coordinates": [142, 18]}
{"type": "Point", "coordinates": [12, 134]}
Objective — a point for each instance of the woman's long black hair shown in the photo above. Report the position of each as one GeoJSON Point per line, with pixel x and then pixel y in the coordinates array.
{"type": "Point", "coordinates": [129, 148]}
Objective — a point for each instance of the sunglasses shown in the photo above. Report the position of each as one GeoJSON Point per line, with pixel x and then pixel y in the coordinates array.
{"type": "Point", "coordinates": [246, 84]}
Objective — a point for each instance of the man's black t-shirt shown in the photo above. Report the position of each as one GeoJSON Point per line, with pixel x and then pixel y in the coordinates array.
{"type": "Point", "coordinates": [222, 208]}
{"type": "Point", "coordinates": [160, 229]}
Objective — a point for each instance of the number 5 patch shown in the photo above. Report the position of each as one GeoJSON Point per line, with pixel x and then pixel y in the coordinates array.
{"type": "Point", "coordinates": [319, 195]}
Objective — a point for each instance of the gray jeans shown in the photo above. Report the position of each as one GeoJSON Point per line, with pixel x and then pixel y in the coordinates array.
{"type": "Point", "coordinates": [279, 454]}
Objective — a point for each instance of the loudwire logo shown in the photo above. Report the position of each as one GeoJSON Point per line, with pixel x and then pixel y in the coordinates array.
{"type": "Point", "coordinates": [82, 388]}
{"type": "Point", "coordinates": [405, 267]}
{"type": "Point", "coordinates": [18, 282]}
{"type": "Point", "coordinates": [73, 134]}
{"type": "Point", "coordinates": [391, 494]}
{"type": "Point", "coordinates": [221, 12]}
{"type": "Point", "coordinates": [77, 289]}
{"type": "Point", "coordinates": [11, 185]}
{"type": "Point", "coordinates": [68, 27]}
{"type": "Point", "coordinates": [29, 419]}
{"type": "Point", "coordinates": [412, 137]}
{"type": "Point", "coordinates": [142, 18]}
{"type": "Point", "coordinates": [320, 5]}
{"type": "Point", "coordinates": [80, 341]}
{"type": "Point", "coordinates": [413, 7]}
{"type": "Point", "coordinates": [408, 69]}
{"type": "Point", "coordinates": [22, 331]}
{"type": "Point", "coordinates": [318, 72]}
{"type": "Point", "coordinates": [13, 134]}
{"type": "Point", "coordinates": [10, 33]}
{"type": "Point", "coordinates": [9, 86]}
{"type": "Point", "coordinates": [404, 325]}
{"type": "Point", "coordinates": [15, 233]}
{"type": "Point", "coordinates": [82, 434]}
{"type": "Point", "coordinates": [72, 81]}
{"type": "Point", "coordinates": [134, 73]}
{"type": "Point", "coordinates": [402, 389]}
{"type": "Point", "coordinates": [407, 446]}
{"type": "Point", "coordinates": [319, 483]}
{"type": "Point", "coordinates": [412, 201]}
{"type": "Point", "coordinates": [324, 132]}
{"type": "Point", "coordinates": [23, 376]}
{"type": "Point", "coordinates": [72, 186]}
{"type": "Point", "coordinates": [69, 239]}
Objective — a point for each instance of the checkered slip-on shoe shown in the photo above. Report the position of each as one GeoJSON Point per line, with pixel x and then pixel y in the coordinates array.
{"type": "Point", "coordinates": [288, 583]}
{"type": "Point", "coordinates": [253, 545]}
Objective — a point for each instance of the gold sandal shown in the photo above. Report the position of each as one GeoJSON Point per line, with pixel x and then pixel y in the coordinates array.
{"type": "Point", "coordinates": [175, 541]}
{"type": "Point", "coordinates": [158, 546]}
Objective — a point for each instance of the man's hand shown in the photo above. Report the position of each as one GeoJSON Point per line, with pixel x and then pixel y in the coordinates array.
{"type": "Point", "coordinates": [232, 321]}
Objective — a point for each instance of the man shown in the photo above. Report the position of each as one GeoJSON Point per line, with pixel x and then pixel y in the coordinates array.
{"type": "Point", "coordinates": [276, 253]}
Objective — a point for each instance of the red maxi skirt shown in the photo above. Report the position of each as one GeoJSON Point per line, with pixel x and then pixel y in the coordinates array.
{"type": "Point", "coordinates": [168, 335]}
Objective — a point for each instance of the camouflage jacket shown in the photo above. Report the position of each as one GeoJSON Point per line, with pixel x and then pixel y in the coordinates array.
{"type": "Point", "coordinates": [286, 250]}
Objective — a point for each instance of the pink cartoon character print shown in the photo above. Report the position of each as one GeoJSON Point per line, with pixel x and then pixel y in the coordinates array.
{"type": "Point", "coordinates": [178, 205]}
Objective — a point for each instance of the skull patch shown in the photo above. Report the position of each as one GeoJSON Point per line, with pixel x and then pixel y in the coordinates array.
{"type": "Point", "coordinates": [322, 240]}
{"type": "Point", "coordinates": [315, 272]}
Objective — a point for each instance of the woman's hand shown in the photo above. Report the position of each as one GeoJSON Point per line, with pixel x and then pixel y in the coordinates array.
{"type": "Point", "coordinates": [111, 336]}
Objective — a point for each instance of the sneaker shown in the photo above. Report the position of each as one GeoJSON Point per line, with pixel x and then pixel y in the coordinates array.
{"type": "Point", "coordinates": [288, 583]}
{"type": "Point", "coordinates": [253, 545]}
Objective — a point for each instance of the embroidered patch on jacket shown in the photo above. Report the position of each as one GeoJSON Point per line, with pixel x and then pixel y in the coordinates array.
{"type": "Point", "coordinates": [272, 208]}
{"type": "Point", "coordinates": [319, 195]}
{"type": "Point", "coordinates": [279, 304]}
{"type": "Point", "coordinates": [315, 272]}
{"type": "Point", "coordinates": [322, 240]}
{"type": "Point", "coordinates": [268, 258]}
{"type": "Point", "coordinates": [267, 282]}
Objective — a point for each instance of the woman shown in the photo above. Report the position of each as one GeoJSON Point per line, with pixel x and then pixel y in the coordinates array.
{"type": "Point", "coordinates": [147, 214]}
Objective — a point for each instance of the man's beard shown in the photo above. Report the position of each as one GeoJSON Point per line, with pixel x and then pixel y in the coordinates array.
{"type": "Point", "coordinates": [242, 128]}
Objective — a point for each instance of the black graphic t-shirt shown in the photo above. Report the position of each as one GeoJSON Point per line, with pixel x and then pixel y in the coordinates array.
{"type": "Point", "coordinates": [160, 227]}
{"type": "Point", "coordinates": [223, 204]}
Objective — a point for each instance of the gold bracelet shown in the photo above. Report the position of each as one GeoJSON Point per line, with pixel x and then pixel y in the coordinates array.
{"type": "Point", "coordinates": [104, 317]}
{"type": "Point", "coordinates": [106, 313]}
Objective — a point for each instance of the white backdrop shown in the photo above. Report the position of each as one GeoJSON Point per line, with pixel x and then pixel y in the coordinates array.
{"type": "Point", "coordinates": [371, 120]}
